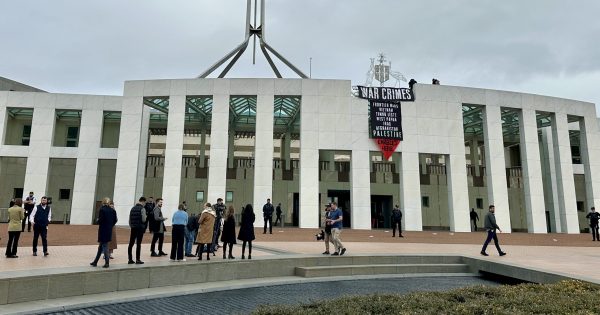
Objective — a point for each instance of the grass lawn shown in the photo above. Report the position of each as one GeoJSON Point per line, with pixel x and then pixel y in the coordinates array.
{"type": "Point", "coordinates": [565, 297]}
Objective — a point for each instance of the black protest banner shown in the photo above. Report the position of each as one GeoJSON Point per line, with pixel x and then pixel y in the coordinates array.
{"type": "Point", "coordinates": [386, 120]}
{"type": "Point", "coordinates": [386, 94]}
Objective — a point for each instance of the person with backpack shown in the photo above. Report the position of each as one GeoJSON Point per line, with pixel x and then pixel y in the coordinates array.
{"type": "Point", "coordinates": [191, 229]}
{"type": "Point", "coordinates": [397, 221]}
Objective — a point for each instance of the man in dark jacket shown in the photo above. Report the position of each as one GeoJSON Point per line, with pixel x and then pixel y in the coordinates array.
{"type": "Point", "coordinates": [149, 206]}
{"type": "Point", "coordinates": [219, 208]}
{"type": "Point", "coordinates": [278, 213]}
{"type": "Point", "coordinates": [491, 227]}
{"type": "Point", "coordinates": [39, 218]}
{"type": "Point", "coordinates": [397, 220]}
{"type": "Point", "coordinates": [107, 218]}
{"type": "Point", "coordinates": [137, 223]}
{"type": "Point", "coordinates": [594, 218]}
{"type": "Point", "coordinates": [474, 218]}
{"type": "Point", "coordinates": [191, 229]}
{"type": "Point", "coordinates": [158, 228]}
{"type": "Point", "coordinates": [268, 216]}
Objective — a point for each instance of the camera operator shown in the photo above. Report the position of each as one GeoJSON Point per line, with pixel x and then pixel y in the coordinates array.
{"type": "Point", "coordinates": [327, 234]}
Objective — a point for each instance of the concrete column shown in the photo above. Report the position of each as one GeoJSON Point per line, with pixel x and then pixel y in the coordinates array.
{"type": "Point", "coordinates": [423, 163]}
{"type": "Point", "coordinates": [173, 156]}
{"type": "Point", "coordinates": [564, 174]}
{"type": "Point", "coordinates": [410, 192]}
{"type": "Point", "coordinates": [263, 150]}
{"type": "Point", "coordinates": [532, 172]}
{"type": "Point", "coordinates": [287, 145]}
{"type": "Point", "coordinates": [458, 191]}
{"type": "Point", "coordinates": [130, 148]}
{"type": "Point", "coordinates": [219, 136]}
{"type": "Point", "coordinates": [495, 166]}
{"type": "Point", "coordinates": [474, 150]}
{"type": "Point", "coordinates": [590, 154]}
{"type": "Point", "coordinates": [38, 161]}
{"type": "Point", "coordinates": [309, 163]}
{"type": "Point", "coordinates": [360, 190]}
{"type": "Point", "coordinates": [549, 179]}
{"type": "Point", "coordinates": [86, 169]}
{"type": "Point", "coordinates": [231, 150]}
{"type": "Point", "coordinates": [202, 157]}
{"type": "Point", "coordinates": [143, 155]}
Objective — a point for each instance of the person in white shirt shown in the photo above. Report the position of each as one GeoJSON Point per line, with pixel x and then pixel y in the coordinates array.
{"type": "Point", "coordinates": [39, 218]}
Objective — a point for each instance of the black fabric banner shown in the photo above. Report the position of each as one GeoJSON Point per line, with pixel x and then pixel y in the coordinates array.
{"type": "Point", "coordinates": [386, 120]}
{"type": "Point", "coordinates": [386, 94]}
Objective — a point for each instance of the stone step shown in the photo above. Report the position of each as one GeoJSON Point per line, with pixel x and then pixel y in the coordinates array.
{"type": "Point", "coordinates": [348, 270]}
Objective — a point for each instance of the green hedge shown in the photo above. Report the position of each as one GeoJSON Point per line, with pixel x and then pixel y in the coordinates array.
{"type": "Point", "coordinates": [565, 297]}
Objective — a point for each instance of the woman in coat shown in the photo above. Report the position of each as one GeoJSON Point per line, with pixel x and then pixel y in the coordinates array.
{"type": "Point", "coordinates": [15, 217]}
{"type": "Point", "coordinates": [246, 233]}
{"type": "Point", "coordinates": [205, 234]}
{"type": "Point", "coordinates": [112, 245]}
{"type": "Point", "coordinates": [228, 235]}
{"type": "Point", "coordinates": [107, 218]}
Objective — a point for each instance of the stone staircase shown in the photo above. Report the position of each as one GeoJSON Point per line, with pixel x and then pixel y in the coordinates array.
{"type": "Point", "coordinates": [380, 265]}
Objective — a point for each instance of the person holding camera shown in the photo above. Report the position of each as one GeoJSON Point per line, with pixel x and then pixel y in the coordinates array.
{"type": "Point", "coordinates": [327, 232]}
{"type": "Point", "coordinates": [39, 218]}
{"type": "Point", "coordinates": [336, 218]}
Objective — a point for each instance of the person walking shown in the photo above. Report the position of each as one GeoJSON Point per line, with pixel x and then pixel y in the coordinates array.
{"type": "Point", "coordinates": [205, 233]}
{"type": "Point", "coordinates": [158, 228]}
{"type": "Point", "coordinates": [15, 217]}
{"type": "Point", "coordinates": [268, 216]}
{"type": "Point", "coordinates": [112, 245]}
{"type": "Point", "coordinates": [278, 213]}
{"type": "Point", "coordinates": [28, 204]}
{"type": "Point", "coordinates": [107, 218]}
{"type": "Point", "coordinates": [327, 231]}
{"type": "Point", "coordinates": [40, 218]}
{"type": "Point", "coordinates": [180, 220]}
{"type": "Point", "coordinates": [474, 218]}
{"type": "Point", "coordinates": [137, 223]}
{"type": "Point", "coordinates": [228, 235]}
{"type": "Point", "coordinates": [594, 218]}
{"type": "Point", "coordinates": [489, 224]}
{"type": "Point", "coordinates": [246, 233]}
{"type": "Point", "coordinates": [336, 219]}
{"type": "Point", "coordinates": [191, 229]}
{"type": "Point", "coordinates": [219, 211]}
{"type": "Point", "coordinates": [397, 220]}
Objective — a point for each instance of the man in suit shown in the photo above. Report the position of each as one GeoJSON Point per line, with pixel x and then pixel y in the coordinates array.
{"type": "Point", "coordinates": [268, 216]}
{"type": "Point", "coordinates": [40, 218]}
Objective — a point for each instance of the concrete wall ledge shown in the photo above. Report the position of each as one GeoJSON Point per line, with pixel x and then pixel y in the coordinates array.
{"type": "Point", "coordinates": [26, 286]}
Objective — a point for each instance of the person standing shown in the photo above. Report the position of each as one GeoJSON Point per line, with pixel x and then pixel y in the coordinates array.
{"type": "Point", "coordinates": [278, 213]}
{"type": "Point", "coordinates": [219, 211]}
{"type": "Point", "coordinates": [228, 235]}
{"type": "Point", "coordinates": [157, 226]}
{"type": "Point", "coordinates": [489, 224]}
{"type": "Point", "coordinates": [112, 245]}
{"type": "Point", "coordinates": [15, 217]}
{"type": "Point", "coordinates": [28, 203]}
{"type": "Point", "coordinates": [336, 219]}
{"type": "Point", "coordinates": [268, 216]}
{"type": "Point", "coordinates": [474, 218]}
{"type": "Point", "coordinates": [246, 233]}
{"type": "Point", "coordinates": [594, 218]}
{"type": "Point", "coordinates": [205, 233]}
{"type": "Point", "coordinates": [327, 236]}
{"type": "Point", "coordinates": [397, 220]}
{"type": "Point", "coordinates": [107, 218]}
{"type": "Point", "coordinates": [149, 207]}
{"type": "Point", "coordinates": [191, 229]}
{"type": "Point", "coordinates": [180, 220]}
{"type": "Point", "coordinates": [137, 223]}
{"type": "Point", "coordinates": [39, 218]}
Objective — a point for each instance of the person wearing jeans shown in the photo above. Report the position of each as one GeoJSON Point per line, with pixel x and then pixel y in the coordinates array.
{"type": "Point", "coordinates": [39, 219]}
{"type": "Point", "coordinates": [491, 227]}
{"type": "Point", "coordinates": [190, 234]}
{"type": "Point", "coordinates": [336, 219]}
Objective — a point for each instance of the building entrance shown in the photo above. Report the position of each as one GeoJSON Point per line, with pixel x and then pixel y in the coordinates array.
{"type": "Point", "coordinates": [342, 197]}
{"type": "Point", "coordinates": [381, 210]}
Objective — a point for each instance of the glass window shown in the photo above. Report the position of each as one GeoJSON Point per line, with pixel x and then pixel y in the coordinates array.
{"type": "Point", "coordinates": [479, 202]}
{"type": "Point", "coordinates": [200, 196]}
{"type": "Point", "coordinates": [425, 201]}
{"type": "Point", "coordinates": [64, 194]}
{"type": "Point", "coordinates": [26, 135]}
{"type": "Point", "coordinates": [229, 196]}
{"type": "Point", "coordinates": [72, 134]}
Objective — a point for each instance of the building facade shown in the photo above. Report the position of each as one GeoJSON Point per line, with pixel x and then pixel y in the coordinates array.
{"type": "Point", "coordinates": [303, 143]}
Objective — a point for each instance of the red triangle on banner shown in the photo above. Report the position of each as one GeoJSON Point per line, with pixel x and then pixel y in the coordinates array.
{"type": "Point", "coordinates": [387, 146]}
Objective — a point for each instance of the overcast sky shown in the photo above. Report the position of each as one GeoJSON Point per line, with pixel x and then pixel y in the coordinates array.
{"type": "Point", "coordinates": [547, 47]}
